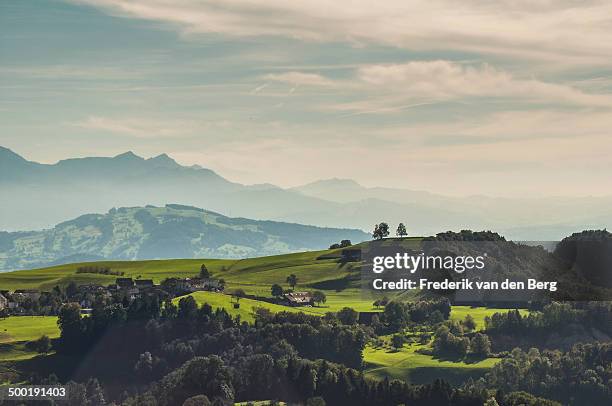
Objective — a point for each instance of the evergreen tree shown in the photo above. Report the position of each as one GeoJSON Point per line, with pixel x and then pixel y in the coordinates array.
{"type": "Point", "coordinates": [401, 230]}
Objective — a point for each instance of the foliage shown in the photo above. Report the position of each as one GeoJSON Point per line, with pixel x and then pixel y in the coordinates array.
{"type": "Point", "coordinates": [448, 344]}
{"type": "Point", "coordinates": [292, 280]}
{"type": "Point", "coordinates": [380, 231]}
{"type": "Point", "coordinates": [469, 323]}
{"type": "Point", "coordinates": [401, 230]}
{"type": "Point", "coordinates": [318, 297]}
{"type": "Point", "coordinates": [103, 270]}
{"type": "Point", "coordinates": [397, 315]}
{"type": "Point", "coordinates": [204, 272]}
{"type": "Point", "coordinates": [276, 290]}
{"type": "Point", "coordinates": [41, 345]}
{"type": "Point", "coordinates": [480, 345]}
{"type": "Point", "coordinates": [580, 376]}
{"type": "Point", "coordinates": [347, 316]}
{"type": "Point", "coordinates": [397, 341]}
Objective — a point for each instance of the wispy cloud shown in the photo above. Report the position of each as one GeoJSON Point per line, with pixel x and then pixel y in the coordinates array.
{"type": "Point", "coordinates": [71, 72]}
{"type": "Point", "coordinates": [388, 88]}
{"type": "Point", "coordinates": [136, 127]}
{"type": "Point", "coordinates": [259, 88]}
{"type": "Point", "coordinates": [301, 78]}
{"type": "Point", "coordinates": [569, 31]}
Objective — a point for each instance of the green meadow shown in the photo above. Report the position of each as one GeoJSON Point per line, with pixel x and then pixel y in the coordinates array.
{"type": "Point", "coordinates": [315, 270]}
{"type": "Point", "coordinates": [409, 365]}
{"type": "Point", "coordinates": [16, 331]}
{"type": "Point", "coordinates": [458, 313]}
{"type": "Point", "coordinates": [245, 311]}
{"type": "Point", "coordinates": [26, 328]}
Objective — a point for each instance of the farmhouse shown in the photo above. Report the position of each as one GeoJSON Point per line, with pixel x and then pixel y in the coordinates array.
{"type": "Point", "coordinates": [124, 283]}
{"type": "Point", "coordinates": [27, 293]}
{"type": "Point", "coordinates": [299, 298]}
{"type": "Point", "coordinates": [3, 302]}
{"type": "Point", "coordinates": [195, 284]}
{"type": "Point", "coordinates": [144, 283]}
{"type": "Point", "coordinates": [91, 289]}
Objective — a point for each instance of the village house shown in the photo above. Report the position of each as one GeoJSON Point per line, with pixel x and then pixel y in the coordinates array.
{"type": "Point", "coordinates": [127, 286]}
{"type": "Point", "coordinates": [3, 302]}
{"type": "Point", "coordinates": [124, 283]}
{"type": "Point", "coordinates": [143, 284]}
{"type": "Point", "coordinates": [197, 284]}
{"type": "Point", "coordinates": [91, 288]}
{"type": "Point", "coordinates": [299, 299]}
{"type": "Point", "coordinates": [22, 294]}
{"type": "Point", "coordinates": [205, 284]}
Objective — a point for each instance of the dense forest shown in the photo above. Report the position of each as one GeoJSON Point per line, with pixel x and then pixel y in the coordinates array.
{"type": "Point", "coordinates": [155, 353]}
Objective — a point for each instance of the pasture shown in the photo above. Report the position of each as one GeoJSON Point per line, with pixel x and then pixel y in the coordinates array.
{"type": "Point", "coordinates": [409, 365]}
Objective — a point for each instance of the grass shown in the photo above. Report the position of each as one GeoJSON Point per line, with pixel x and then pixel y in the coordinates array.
{"type": "Point", "coordinates": [27, 328]}
{"type": "Point", "coordinates": [339, 281]}
{"type": "Point", "coordinates": [15, 352]}
{"type": "Point", "coordinates": [15, 331]}
{"type": "Point", "coordinates": [458, 313]}
{"type": "Point", "coordinates": [220, 300]}
{"type": "Point", "coordinates": [409, 365]}
{"type": "Point", "coordinates": [47, 278]}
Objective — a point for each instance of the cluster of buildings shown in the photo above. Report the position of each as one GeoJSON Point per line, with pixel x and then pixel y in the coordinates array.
{"type": "Point", "coordinates": [13, 302]}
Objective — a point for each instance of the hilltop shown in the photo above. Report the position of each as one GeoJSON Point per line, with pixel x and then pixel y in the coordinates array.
{"type": "Point", "coordinates": [173, 231]}
{"type": "Point", "coordinates": [254, 275]}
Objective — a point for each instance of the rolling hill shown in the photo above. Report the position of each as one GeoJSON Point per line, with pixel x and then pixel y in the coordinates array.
{"type": "Point", "coordinates": [315, 270]}
{"type": "Point", "coordinates": [150, 232]}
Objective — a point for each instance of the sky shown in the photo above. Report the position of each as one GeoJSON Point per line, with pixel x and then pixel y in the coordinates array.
{"type": "Point", "coordinates": [505, 98]}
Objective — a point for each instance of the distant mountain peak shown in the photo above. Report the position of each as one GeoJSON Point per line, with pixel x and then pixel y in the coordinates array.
{"type": "Point", "coordinates": [336, 182]}
{"type": "Point", "coordinates": [163, 160]}
{"type": "Point", "coordinates": [7, 154]}
{"type": "Point", "coordinates": [129, 155]}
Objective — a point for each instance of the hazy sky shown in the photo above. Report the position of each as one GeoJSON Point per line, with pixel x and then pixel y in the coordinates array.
{"type": "Point", "coordinates": [501, 98]}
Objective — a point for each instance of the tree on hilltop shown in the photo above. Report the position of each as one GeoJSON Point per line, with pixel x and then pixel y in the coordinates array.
{"type": "Point", "coordinates": [401, 230]}
{"type": "Point", "coordinates": [381, 231]}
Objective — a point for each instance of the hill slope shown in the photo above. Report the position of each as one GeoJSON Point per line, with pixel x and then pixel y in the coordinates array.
{"type": "Point", "coordinates": [173, 231]}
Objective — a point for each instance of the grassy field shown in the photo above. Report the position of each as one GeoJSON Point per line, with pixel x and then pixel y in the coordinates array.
{"type": "Point", "coordinates": [16, 331]}
{"type": "Point", "coordinates": [27, 328]}
{"type": "Point", "coordinates": [339, 281]}
{"type": "Point", "coordinates": [478, 313]}
{"type": "Point", "coordinates": [220, 300]}
{"type": "Point", "coordinates": [47, 278]}
{"type": "Point", "coordinates": [408, 365]}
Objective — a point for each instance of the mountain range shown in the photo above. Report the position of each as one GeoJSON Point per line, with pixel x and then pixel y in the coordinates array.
{"type": "Point", "coordinates": [172, 231]}
{"type": "Point", "coordinates": [36, 196]}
